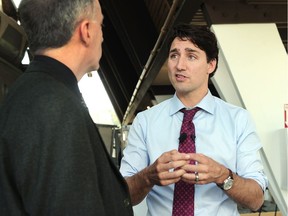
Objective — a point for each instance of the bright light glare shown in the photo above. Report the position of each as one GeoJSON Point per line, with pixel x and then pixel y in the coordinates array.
{"type": "Point", "coordinates": [17, 2]}
{"type": "Point", "coordinates": [97, 100]}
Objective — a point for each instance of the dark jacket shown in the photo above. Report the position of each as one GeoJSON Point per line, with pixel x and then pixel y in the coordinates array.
{"type": "Point", "coordinates": [52, 158]}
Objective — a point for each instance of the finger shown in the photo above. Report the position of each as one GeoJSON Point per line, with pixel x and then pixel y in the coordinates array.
{"type": "Point", "coordinates": [169, 161]}
{"type": "Point", "coordinates": [180, 156]}
{"type": "Point", "coordinates": [192, 178]}
{"type": "Point", "coordinates": [166, 156]}
{"type": "Point", "coordinates": [167, 177]}
{"type": "Point", "coordinates": [197, 178]}
{"type": "Point", "coordinates": [175, 165]}
{"type": "Point", "coordinates": [172, 155]}
{"type": "Point", "coordinates": [192, 168]}
{"type": "Point", "coordinates": [200, 158]}
{"type": "Point", "coordinates": [169, 181]}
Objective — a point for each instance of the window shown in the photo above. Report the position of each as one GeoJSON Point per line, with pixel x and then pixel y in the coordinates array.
{"type": "Point", "coordinates": [97, 100]}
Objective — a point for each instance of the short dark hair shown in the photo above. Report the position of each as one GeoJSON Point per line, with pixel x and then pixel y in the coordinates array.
{"type": "Point", "coordinates": [200, 36]}
{"type": "Point", "coordinates": [51, 23]}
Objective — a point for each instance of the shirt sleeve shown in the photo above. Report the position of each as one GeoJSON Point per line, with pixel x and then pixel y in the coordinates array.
{"type": "Point", "coordinates": [249, 163]}
{"type": "Point", "coordinates": [135, 157]}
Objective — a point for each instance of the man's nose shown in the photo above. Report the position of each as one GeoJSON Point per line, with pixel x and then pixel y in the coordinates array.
{"type": "Point", "coordinates": [181, 64]}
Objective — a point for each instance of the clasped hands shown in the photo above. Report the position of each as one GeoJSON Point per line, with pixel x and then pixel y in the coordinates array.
{"type": "Point", "coordinates": [194, 168]}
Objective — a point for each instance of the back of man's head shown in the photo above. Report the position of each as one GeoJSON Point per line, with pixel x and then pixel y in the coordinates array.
{"type": "Point", "coordinates": [51, 23]}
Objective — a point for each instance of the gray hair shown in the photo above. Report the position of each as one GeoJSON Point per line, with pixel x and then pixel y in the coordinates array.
{"type": "Point", "coordinates": [51, 23]}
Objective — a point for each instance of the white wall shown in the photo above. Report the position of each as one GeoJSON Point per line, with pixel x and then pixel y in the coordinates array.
{"type": "Point", "coordinates": [253, 73]}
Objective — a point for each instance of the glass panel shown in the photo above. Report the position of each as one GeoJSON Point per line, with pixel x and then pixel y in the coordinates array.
{"type": "Point", "coordinates": [97, 100]}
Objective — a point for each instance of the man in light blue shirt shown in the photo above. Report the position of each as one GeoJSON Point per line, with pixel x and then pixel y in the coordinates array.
{"type": "Point", "coordinates": [228, 169]}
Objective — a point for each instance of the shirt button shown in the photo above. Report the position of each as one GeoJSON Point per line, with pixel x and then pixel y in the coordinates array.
{"type": "Point", "coordinates": [126, 202]}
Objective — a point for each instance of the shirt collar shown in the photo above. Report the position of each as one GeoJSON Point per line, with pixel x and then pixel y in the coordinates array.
{"type": "Point", "coordinates": [57, 70]}
{"type": "Point", "coordinates": [207, 104]}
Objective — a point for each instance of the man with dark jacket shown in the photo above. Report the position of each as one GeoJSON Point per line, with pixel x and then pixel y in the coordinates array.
{"type": "Point", "coordinates": [52, 158]}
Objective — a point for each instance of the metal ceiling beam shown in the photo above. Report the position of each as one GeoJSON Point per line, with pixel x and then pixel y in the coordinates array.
{"type": "Point", "coordinates": [10, 9]}
{"type": "Point", "coordinates": [227, 12]}
{"type": "Point", "coordinates": [256, 11]}
{"type": "Point", "coordinates": [266, 1]}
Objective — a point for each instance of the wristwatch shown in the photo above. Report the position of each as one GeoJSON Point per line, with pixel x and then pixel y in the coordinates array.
{"type": "Point", "coordinates": [228, 183]}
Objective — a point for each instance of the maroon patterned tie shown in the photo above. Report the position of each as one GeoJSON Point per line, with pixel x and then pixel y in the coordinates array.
{"type": "Point", "coordinates": [183, 203]}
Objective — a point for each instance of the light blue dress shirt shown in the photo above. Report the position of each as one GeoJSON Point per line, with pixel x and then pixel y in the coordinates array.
{"type": "Point", "coordinates": [224, 132]}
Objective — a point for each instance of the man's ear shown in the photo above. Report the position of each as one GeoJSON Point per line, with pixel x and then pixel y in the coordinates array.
{"type": "Point", "coordinates": [211, 66]}
{"type": "Point", "coordinates": [84, 32]}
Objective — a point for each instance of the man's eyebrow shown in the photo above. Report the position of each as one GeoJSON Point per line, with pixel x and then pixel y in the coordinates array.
{"type": "Point", "coordinates": [174, 50]}
{"type": "Point", "coordinates": [186, 49]}
{"type": "Point", "coordinates": [190, 50]}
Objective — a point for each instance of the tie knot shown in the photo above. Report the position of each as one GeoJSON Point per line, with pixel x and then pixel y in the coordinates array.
{"type": "Point", "coordinates": [189, 114]}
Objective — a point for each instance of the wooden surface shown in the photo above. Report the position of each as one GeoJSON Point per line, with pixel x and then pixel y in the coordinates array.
{"type": "Point", "coordinates": [262, 214]}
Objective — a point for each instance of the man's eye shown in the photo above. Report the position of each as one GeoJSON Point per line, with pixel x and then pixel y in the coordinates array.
{"type": "Point", "coordinates": [191, 57]}
{"type": "Point", "coordinates": [173, 56]}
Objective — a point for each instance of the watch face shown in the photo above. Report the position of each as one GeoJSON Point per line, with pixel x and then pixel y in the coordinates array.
{"type": "Point", "coordinates": [228, 184]}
